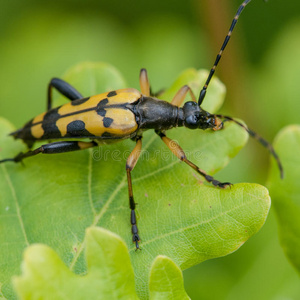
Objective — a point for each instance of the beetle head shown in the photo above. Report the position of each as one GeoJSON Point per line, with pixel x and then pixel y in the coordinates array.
{"type": "Point", "coordinates": [196, 117]}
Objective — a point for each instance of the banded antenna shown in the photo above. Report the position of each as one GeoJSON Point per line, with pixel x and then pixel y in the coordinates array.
{"type": "Point", "coordinates": [227, 38]}
{"type": "Point", "coordinates": [260, 139]}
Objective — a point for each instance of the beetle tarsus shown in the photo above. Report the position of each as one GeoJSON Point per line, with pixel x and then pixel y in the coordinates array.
{"type": "Point", "coordinates": [217, 183]}
{"type": "Point", "coordinates": [134, 230]}
{"type": "Point", "coordinates": [136, 240]}
{"type": "Point", "coordinates": [6, 160]}
{"type": "Point", "coordinates": [16, 159]}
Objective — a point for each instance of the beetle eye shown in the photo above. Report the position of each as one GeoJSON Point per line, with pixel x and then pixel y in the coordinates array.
{"type": "Point", "coordinates": [192, 121]}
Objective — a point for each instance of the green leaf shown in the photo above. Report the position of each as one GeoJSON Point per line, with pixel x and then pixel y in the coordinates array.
{"type": "Point", "coordinates": [53, 199]}
{"type": "Point", "coordinates": [109, 276]}
{"type": "Point", "coordinates": [286, 192]}
{"type": "Point", "coordinates": [109, 273]}
{"type": "Point", "coordinates": [166, 281]}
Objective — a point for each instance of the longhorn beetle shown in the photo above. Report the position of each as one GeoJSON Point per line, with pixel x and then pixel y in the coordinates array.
{"type": "Point", "coordinates": [123, 114]}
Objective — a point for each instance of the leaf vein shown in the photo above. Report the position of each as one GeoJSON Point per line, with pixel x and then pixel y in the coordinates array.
{"type": "Point", "coordinates": [18, 210]}
{"type": "Point", "coordinates": [98, 216]}
{"type": "Point", "coordinates": [158, 237]}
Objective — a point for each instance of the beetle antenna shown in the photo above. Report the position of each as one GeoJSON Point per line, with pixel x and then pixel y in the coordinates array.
{"type": "Point", "coordinates": [227, 38]}
{"type": "Point", "coordinates": [260, 139]}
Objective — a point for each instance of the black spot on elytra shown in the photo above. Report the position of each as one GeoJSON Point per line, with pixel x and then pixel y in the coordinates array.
{"type": "Point", "coordinates": [111, 94]}
{"type": "Point", "coordinates": [49, 124]}
{"type": "Point", "coordinates": [100, 107]}
{"type": "Point", "coordinates": [77, 129]}
{"type": "Point", "coordinates": [79, 101]}
{"type": "Point", "coordinates": [107, 122]}
{"type": "Point", "coordinates": [101, 112]}
{"type": "Point", "coordinates": [76, 126]}
{"type": "Point", "coordinates": [102, 103]}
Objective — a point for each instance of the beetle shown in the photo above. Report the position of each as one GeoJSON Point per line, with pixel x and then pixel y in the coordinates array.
{"type": "Point", "coordinates": [125, 114]}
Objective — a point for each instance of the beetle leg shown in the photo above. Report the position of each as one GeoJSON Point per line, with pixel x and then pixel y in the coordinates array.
{"type": "Point", "coordinates": [146, 88]}
{"type": "Point", "coordinates": [64, 88]}
{"type": "Point", "coordinates": [177, 150]}
{"type": "Point", "coordinates": [130, 164]}
{"type": "Point", "coordinates": [52, 148]}
{"type": "Point", "coordinates": [144, 83]}
{"type": "Point", "coordinates": [181, 94]}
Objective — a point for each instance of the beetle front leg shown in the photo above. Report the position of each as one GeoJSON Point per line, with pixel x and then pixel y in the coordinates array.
{"type": "Point", "coordinates": [181, 94]}
{"type": "Point", "coordinates": [64, 88]}
{"type": "Point", "coordinates": [177, 150]}
{"type": "Point", "coordinates": [130, 164]}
